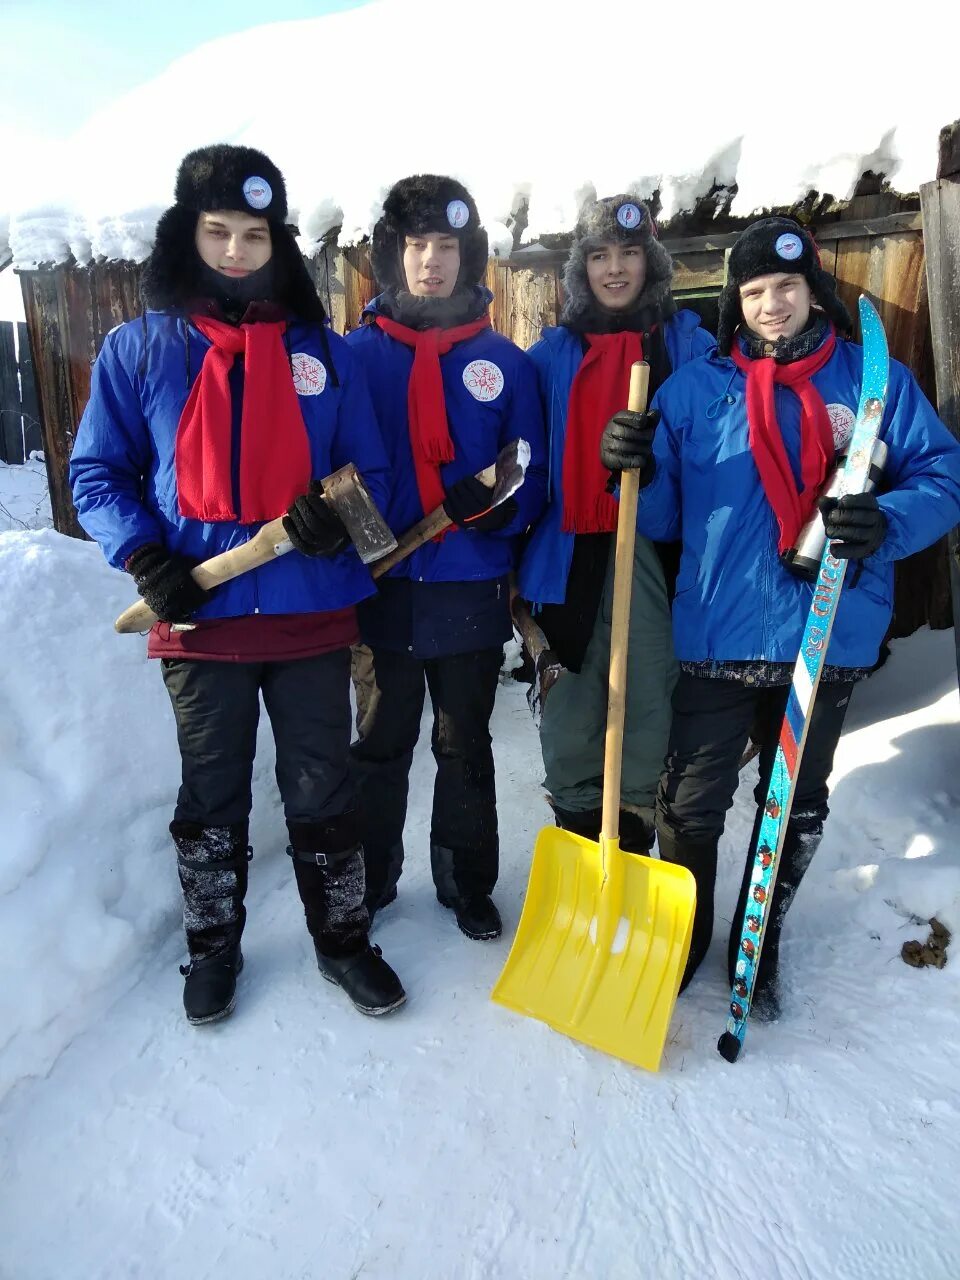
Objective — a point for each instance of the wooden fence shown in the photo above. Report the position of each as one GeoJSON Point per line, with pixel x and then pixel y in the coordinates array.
{"type": "Point", "coordinates": [875, 248]}
{"type": "Point", "coordinates": [20, 432]}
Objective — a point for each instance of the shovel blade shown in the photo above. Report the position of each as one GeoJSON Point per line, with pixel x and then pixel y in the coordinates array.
{"type": "Point", "coordinates": [601, 945]}
{"type": "Point", "coordinates": [346, 493]}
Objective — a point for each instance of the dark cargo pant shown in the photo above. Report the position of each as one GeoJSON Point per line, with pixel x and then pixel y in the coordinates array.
{"type": "Point", "coordinates": [464, 847]}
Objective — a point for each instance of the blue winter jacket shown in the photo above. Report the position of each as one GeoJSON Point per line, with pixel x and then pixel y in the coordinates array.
{"type": "Point", "coordinates": [479, 427]}
{"type": "Point", "coordinates": [735, 601]}
{"type": "Point", "coordinates": [124, 481]}
{"type": "Point", "coordinates": [545, 566]}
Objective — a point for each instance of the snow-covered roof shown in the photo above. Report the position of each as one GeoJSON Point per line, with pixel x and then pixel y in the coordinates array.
{"type": "Point", "coordinates": [518, 98]}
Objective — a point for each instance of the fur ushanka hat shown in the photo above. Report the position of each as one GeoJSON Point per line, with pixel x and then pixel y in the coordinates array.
{"type": "Point", "coordinates": [231, 179]}
{"type": "Point", "coordinates": [418, 205]}
{"type": "Point", "coordinates": [614, 220]}
{"type": "Point", "coordinates": [769, 246]}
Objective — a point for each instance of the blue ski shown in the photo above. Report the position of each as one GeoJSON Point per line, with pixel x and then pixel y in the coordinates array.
{"type": "Point", "coordinates": [803, 690]}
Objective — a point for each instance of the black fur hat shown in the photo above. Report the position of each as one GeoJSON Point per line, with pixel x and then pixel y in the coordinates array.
{"type": "Point", "coordinates": [236, 180]}
{"type": "Point", "coordinates": [614, 220]}
{"type": "Point", "coordinates": [766, 247]}
{"type": "Point", "coordinates": [239, 179]}
{"type": "Point", "coordinates": [422, 203]}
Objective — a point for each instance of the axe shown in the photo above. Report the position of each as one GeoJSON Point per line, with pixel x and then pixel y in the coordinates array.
{"type": "Point", "coordinates": [348, 495]}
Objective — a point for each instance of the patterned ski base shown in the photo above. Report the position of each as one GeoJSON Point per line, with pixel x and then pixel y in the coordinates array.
{"type": "Point", "coordinates": [806, 678]}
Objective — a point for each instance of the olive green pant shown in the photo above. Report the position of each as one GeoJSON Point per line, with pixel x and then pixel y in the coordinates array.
{"type": "Point", "coordinates": [574, 720]}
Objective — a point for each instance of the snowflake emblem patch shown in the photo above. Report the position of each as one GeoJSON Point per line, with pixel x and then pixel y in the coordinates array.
{"type": "Point", "coordinates": [842, 419]}
{"type": "Point", "coordinates": [309, 375]}
{"type": "Point", "coordinates": [483, 379]}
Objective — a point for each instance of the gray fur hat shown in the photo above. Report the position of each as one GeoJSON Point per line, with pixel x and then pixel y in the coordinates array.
{"type": "Point", "coordinates": [614, 220]}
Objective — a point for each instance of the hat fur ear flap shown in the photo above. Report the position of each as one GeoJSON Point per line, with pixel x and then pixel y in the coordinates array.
{"type": "Point", "coordinates": [824, 289]}
{"type": "Point", "coordinates": [171, 275]}
{"type": "Point", "coordinates": [728, 318]}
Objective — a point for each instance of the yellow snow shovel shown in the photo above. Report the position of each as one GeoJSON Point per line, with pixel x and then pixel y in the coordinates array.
{"type": "Point", "coordinates": [604, 935]}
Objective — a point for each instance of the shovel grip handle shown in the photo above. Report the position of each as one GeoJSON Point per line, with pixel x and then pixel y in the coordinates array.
{"type": "Point", "coordinates": [620, 624]}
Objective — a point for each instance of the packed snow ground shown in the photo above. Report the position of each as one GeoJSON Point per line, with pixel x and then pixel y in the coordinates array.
{"type": "Point", "coordinates": [24, 496]}
{"type": "Point", "coordinates": [523, 101]}
{"type": "Point", "coordinates": [453, 1141]}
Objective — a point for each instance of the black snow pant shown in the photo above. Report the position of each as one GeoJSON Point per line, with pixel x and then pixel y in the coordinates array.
{"type": "Point", "coordinates": [464, 848]}
{"type": "Point", "coordinates": [711, 725]}
{"type": "Point", "coordinates": [217, 709]}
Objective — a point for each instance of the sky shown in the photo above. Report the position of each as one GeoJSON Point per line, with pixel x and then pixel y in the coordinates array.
{"type": "Point", "coordinates": [60, 61]}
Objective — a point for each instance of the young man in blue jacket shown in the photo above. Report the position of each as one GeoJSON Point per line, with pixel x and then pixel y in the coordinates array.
{"type": "Point", "coordinates": [217, 411]}
{"type": "Point", "coordinates": [745, 442]}
{"type": "Point", "coordinates": [617, 310]}
{"type": "Point", "coordinates": [449, 393]}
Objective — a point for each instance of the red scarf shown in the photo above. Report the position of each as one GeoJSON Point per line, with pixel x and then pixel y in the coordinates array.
{"type": "Point", "coordinates": [426, 408]}
{"type": "Point", "coordinates": [791, 508]}
{"type": "Point", "coordinates": [600, 389]}
{"type": "Point", "coordinates": [274, 450]}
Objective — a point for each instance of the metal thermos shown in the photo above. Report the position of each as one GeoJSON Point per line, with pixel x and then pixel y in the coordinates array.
{"type": "Point", "coordinates": [803, 558]}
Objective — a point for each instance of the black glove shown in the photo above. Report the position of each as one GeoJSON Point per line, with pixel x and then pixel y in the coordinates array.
{"type": "Point", "coordinates": [854, 525]}
{"type": "Point", "coordinates": [468, 504]}
{"type": "Point", "coordinates": [627, 443]}
{"type": "Point", "coordinates": [313, 526]}
{"type": "Point", "coordinates": [163, 579]}
{"type": "Point", "coordinates": [548, 671]}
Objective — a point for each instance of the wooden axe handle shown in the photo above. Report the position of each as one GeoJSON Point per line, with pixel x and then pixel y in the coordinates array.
{"type": "Point", "coordinates": [534, 641]}
{"type": "Point", "coordinates": [426, 529]}
{"type": "Point", "coordinates": [263, 546]}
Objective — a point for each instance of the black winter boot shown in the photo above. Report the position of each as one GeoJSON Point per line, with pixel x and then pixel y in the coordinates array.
{"type": "Point", "coordinates": [464, 879]}
{"type": "Point", "coordinates": [212, 863]}
{"type": "Point", "coordinates": [802, 839]}
{"type": "Point", "coordinates": [328, 864]}
{"type": "Point", "coordinates": [210, 990]}
{"type": "Point", "coordinates": [636, 834]}
{"type": "Point", "coordinates": [585, 823]}
{"type": "Point", "coordinates": [366, 978]}
{"type": "Point", "coordinates": [701, 859]}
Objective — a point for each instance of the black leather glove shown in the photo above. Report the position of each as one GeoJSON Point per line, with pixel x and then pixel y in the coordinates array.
{"type": "Point", "coordinates": [313, 526]}
{"type": "Point", "coordinates": [627, 443]}
{"type": "Point", "coordinates": [163, 580]}
{"type": "Point", "coordinates": [468, 505]}
{"type": "Point", "coordinates": [854, 525]}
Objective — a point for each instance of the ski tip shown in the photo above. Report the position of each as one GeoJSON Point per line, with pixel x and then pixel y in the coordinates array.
{"type": "Point", "coordinates": [729, 1046]}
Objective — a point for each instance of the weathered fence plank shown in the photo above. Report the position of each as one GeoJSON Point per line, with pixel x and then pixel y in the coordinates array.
{"type": "Point", "coordinates": [11, 415]}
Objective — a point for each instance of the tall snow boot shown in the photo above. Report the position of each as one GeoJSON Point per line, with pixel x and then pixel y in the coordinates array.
{"type": "Point", "coordinates": [212, 863]}
{"type": "Point", "coordinates": [802, 839]}
{"type": "Point", "coordinates": [464, 880]}
{"type": "Point", "coordinates": [700, 858]}
{"type": "Point", "coordinates": [328, 864]}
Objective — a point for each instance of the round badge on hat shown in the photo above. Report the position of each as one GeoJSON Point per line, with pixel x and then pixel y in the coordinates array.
{"type": "Point", "coordinates": [458, 215]}
{"type": "Point", "coordinates": [257, 193]}
{"type": "Point", "coordinates": [788, 246]}
{"type": "Point", "coordinates": [629, 216]}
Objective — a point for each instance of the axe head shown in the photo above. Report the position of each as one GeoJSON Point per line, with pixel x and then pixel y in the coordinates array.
{"type": "Point", "coordinates": [346, 493]}
{"type": "Point", "coordinates": [511, 467]}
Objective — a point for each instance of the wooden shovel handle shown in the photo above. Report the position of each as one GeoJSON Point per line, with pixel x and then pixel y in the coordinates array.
{"type": "Point", "coordinates": [620, 625]}
{"type": "Point", "coordinates": [424, 530]}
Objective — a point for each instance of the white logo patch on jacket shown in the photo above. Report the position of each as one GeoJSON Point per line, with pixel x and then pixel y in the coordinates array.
{"type": "Point", "coordinates": [842, 418]}
{"type": "Point", "coordinates": [483, 379]}
{"type": "Point", "coordinates": [309, 375]}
